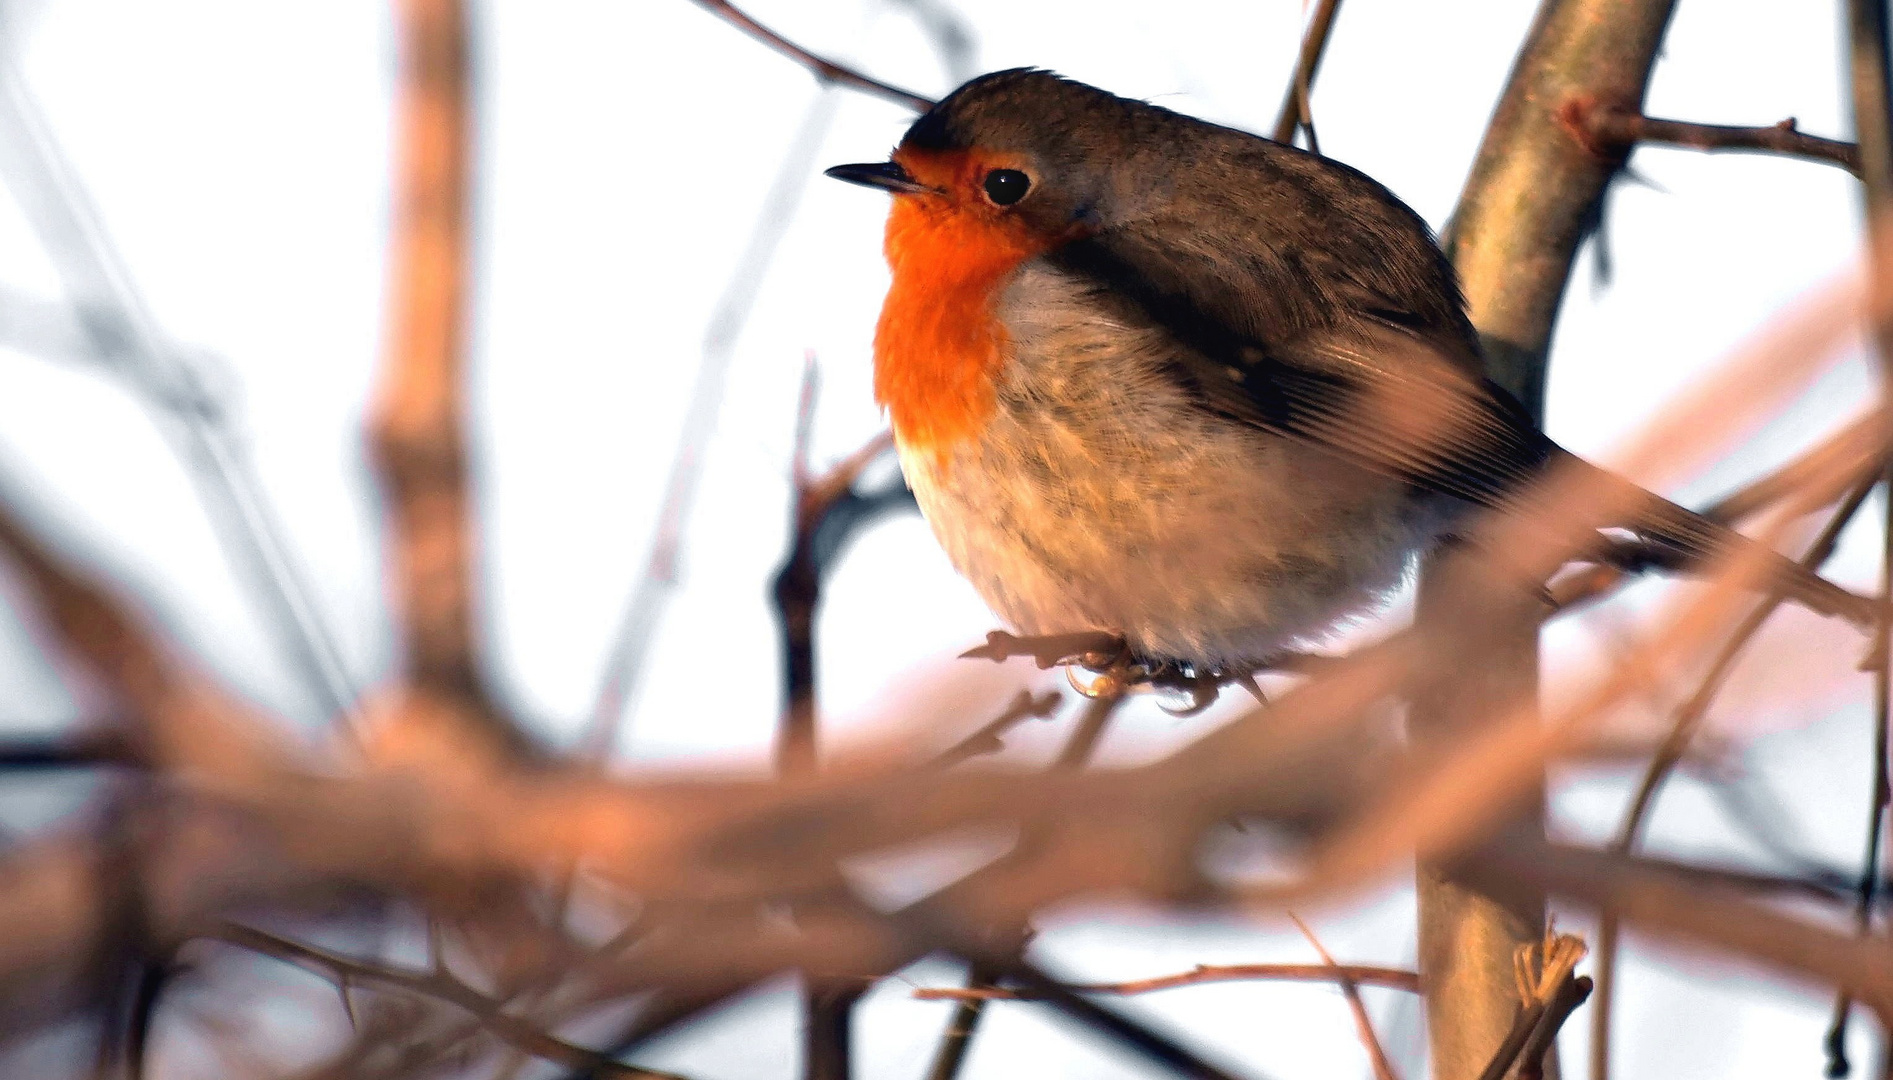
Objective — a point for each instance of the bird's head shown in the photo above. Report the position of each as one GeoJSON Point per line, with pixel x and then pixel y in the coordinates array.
{"type": "Point", "coordinates": [1014, 160]}
{"type": "Point", "coordinates": [1008, 167]}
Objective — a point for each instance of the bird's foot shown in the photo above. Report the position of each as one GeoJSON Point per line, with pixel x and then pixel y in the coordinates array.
{"type": "Point", "coordinates": [1101, 665]}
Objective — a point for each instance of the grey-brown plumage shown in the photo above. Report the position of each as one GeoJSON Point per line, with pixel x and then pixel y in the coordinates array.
{"type": "Point", "coordinates": [1238, 387]}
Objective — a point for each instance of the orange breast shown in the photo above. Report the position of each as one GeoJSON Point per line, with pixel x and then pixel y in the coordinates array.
{"type": "Point", "coordinates": [940, 347]}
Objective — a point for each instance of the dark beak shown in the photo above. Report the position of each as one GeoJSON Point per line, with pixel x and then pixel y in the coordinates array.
{"type": "Point", "coordinates": [885, 175]}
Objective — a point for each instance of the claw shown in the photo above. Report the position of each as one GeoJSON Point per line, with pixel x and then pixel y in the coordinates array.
{"type": "Point", "coordinates": [1099, 684]}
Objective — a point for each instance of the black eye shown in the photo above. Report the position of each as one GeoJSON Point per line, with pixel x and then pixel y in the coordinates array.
{"type": "Point", "coordinates": [1006, 186]}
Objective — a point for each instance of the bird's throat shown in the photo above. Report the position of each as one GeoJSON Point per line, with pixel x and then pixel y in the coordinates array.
{"type": "Point", "coordinates": [940, 348]}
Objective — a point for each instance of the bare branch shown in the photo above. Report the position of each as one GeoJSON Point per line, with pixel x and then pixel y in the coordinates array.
{"type": "Point", "coordinates": [1852, 451]}
{"type": "Point", "coordinates": [798, 583]}
{"type": "Point", "coordinates": [1666, 900]}
{"type": "Point", "coordinates": [1676, 743]}
{"type": "Point", "coordinates": [440, 986]}
{"type": "Point", "coordinates": [113, 328]}
{"type": "Point", "coordinates": [1548, 993]}
{"type": "Point", "coordinates": [1048, 651]}
{"type": "Point", "coordinates": [1612, 131]}
{"type": "Point", "coordinates": [821, 67]}
{"type": "Point", "coordinates": [419, 424]}
{"type": "Point", "coordinates": [1296, 111]}
{"type": "Point", "coordinates": [1363, 1026]}
{"type": "Point", "coordinates": [1025, 706]}
{"type": "Point", "coordinates": [1363, 975]}
{"type": "Point", "coordinates": [644, 608]}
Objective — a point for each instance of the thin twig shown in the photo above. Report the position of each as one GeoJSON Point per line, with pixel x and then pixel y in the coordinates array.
{"type": "Point", "coordinates": [924, 922]}
{"type": "Point", "coordinates": [1089, 732]}
{"type": "Point", "coordinates": [821, 67]}
{"type": "Point", "coordinates": [663, 568]}
{"type": "Point", "coordinates": [1360, 974]}
{"type": "Point", "coordinates": [1675, 744]}
{"type": "Point", "coordinates": [1611, 131]}
{"type": "Point", "coordinates": [121, 335]}
{"type": "Point", "coordinates": [798, 582]}
{"type": "Point", "coordinates": [1296, 111]}
{"type": "Point", "coordinates": [437, 985]}
{"type": "Point", "coordinates": [1047, 651]}
{"type": "Point", "coordinates": [950, 1054]}
{"type": "Point", "coordinates": [828, 1005]}
{"type": "Point", "coordinates": [84, 751]}
{"type": "Point", "coordinates": [1025, 706]}
{"type": "Point", "coordinates": [1363, 1026]}
{"type": "Point", "coordinates": [1851, 451]}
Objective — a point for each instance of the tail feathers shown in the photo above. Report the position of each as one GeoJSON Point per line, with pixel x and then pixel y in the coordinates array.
{"type": "Point", "coordinates": [1689, 540]}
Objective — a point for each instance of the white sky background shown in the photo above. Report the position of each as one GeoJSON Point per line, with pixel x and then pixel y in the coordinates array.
{"type": "Point", "coordinates": [238, 153]}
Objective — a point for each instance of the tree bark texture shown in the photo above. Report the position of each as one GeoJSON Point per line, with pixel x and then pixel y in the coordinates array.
{"type": "Point", "coordinates": [1534, 193]}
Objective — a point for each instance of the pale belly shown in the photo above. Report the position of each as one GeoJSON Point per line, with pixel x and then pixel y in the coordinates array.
{"type": "Point", "coordinates": [1227, 553]}
{"type": "Point", "coordinates": [1098, 498]}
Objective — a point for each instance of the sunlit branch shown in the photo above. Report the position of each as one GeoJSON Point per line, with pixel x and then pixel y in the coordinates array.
{"type": "Point", "coordinates": [1613, 131]}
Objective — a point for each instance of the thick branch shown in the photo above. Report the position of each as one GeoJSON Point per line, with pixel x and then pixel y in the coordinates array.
{"type": "Point", "coordinates": [419, 423]}
{"type": "Point", "coordinates": [1513, 239]}
{"type": "Point", "coordinates": [1671, 902]}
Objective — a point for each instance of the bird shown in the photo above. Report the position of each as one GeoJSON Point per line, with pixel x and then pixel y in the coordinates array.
{"type": "Point", "coordinates": [1205, 393]}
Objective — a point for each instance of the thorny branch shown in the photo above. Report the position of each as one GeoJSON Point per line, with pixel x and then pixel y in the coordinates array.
{"type": "Point", "coordinates": [439, 985]}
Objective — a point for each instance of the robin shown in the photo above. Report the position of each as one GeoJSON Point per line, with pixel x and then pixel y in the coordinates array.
{"type": "Point", "coordinates": [1166, 380]}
